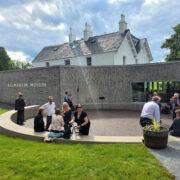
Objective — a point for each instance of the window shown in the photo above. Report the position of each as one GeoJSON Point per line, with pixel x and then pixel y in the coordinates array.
{"type": "Point", "coordinates": [124, 60]}
{"type": "Point", "coordinates": [67, 62]}
{"type": "Point", "coordinates": [89, 62]}
{"type": "Point", "coordinates": [47, 64]}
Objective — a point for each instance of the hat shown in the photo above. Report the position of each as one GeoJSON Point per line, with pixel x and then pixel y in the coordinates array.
{"type": "Point", "coordinates": [177, 111]}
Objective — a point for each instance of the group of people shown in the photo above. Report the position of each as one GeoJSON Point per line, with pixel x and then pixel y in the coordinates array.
{"type": "Point", "coordinates": [152, 110]}
{"type": "Point", "coordinates": [58, 122]}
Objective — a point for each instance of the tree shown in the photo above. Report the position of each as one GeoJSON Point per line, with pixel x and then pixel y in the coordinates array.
{"type": "Point", "coordinates": [21, 65]}
{"type": "Point", "coordinates": [7, 64]}
{"type": "Point", "coordinates": [5, 61]}
{"type": "Point", "coordinates": [173, 43]}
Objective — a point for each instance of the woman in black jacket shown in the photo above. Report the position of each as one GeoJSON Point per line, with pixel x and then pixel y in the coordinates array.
{"type": "Point", "coordinates": [82, 120]}
{"type": "Point", "coordinates": [38, 121]}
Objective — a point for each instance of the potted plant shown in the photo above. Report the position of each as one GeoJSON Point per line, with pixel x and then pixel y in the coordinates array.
{"type": "Point", "coordinates": [155, 135]}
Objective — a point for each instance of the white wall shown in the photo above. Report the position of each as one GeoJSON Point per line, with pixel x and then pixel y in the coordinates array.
{"type": "Point", "coordinates": [111, 58]}
{"type": "Point", "coordinates": [103, 59]}
{"type": "Point", "coordinates": [142, 56]}
{"type": "Point", "coordinates": [124, 50]}
{"type": "Point", "coordinates": [97, 60]}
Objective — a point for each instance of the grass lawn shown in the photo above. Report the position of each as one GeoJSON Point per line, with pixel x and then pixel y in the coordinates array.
{"type": "Point", "coordinates": [3, 110]}
{"type": "Point", "coordinates": [22, 159]}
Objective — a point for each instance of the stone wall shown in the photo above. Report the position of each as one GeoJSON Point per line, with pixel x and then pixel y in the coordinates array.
{"type": "Point", "coordinates": [112, 82]}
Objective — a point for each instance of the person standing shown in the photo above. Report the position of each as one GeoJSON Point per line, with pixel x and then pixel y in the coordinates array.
{"type": "Point", "coordinates": [49, 109]}
{"type": "Point", "coordinates": [19, 106]}
{"type": "Point", "coordinates": [150, 111]}
{"type": "Point", "coordinates": [175, 103]}
{"type": "Point", "coordinates": [66, 113]}
{"type": "Point", "coordinates": [66, 97]}
{"type": "Point", "coordinates": [70, 102]}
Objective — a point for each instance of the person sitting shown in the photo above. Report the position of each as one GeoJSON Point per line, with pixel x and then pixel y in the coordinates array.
{"type": "Point", "coordinates": [82, 120]}
{"type": "Point", "coordinates": [38, 121]}
{"type": "Point", "coordinates": [175, 127]}
{"type": "Point", "coordinates": [150, 111]}
{"type": "Point", "coordinates": [57, 125]}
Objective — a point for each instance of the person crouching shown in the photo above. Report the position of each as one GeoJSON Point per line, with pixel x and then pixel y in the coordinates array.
{"type": "Point", "coordinates": [150, 111]}
{"type": "Point", "coordinates": [82, 120]}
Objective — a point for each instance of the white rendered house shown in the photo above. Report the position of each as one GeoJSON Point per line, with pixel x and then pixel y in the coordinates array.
{"type": "Point", "coordinates": [118, 48]}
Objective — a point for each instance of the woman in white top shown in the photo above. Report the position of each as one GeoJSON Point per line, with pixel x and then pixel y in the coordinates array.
{"type": "Point", "coordinates": [57, 125]}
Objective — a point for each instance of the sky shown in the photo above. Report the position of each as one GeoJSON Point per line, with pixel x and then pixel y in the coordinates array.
{"type": "Point", "coordinates": [26, 26]}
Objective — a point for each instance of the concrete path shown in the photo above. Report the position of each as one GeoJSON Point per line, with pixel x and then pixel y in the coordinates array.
{"type": "Point", "coordinates": [114, 123]}
{"type": "Point", "coordinates": [170, 157]}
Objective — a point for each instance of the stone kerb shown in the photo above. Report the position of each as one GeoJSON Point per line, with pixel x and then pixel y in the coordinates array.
{"type": "Point", "coordinates": [9, 127]}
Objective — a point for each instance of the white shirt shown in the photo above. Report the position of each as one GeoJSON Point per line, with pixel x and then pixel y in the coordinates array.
{"type": "Point", "coordinates": [57, 123]}
{"type": "Point", "coordinates": [49, 108]}
{"type": "Point", "coordinates": [151, 110]}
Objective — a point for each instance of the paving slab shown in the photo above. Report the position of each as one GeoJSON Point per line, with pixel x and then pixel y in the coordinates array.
{"type": "Point", "coordinates": [113, 123]}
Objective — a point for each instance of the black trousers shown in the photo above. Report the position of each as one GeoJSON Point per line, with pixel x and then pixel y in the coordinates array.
{"type": "Point", "coordinates": [20, 117]}
{"type": "Point", "coordinates": [145, 121]}
{"type": "Point", "coordinates": [84, 130]}
{"type": "Point", "coordinates": [48, 122]}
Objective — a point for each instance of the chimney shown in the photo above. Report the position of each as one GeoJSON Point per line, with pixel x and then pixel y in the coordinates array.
{"type": "Point", "coordinates": [87, 32]}
{"type": "Point", "coordinates": [72, 37]}
{"type": "Point", "coordinates": [122, 24]}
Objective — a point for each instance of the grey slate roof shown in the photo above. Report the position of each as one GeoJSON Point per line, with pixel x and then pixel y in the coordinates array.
{"type": "Point", "coordinates": [95, 45]}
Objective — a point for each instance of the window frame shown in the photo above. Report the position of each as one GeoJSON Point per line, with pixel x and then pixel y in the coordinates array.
{"type": "Point", "coordinates": [67, 62]}
{"type": "Point", "coordinates": [89, 61]}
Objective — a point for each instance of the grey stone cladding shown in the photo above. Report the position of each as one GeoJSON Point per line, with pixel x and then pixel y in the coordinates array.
{"type": "Point", "coordinates": [86, 84]}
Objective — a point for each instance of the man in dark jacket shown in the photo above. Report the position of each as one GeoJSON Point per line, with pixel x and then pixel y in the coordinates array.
{"type": "Point", "coordinates": [19, 106]}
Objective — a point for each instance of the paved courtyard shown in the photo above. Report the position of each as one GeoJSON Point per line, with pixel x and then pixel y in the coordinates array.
{"type": "Point", "coordinates": [114, 123]}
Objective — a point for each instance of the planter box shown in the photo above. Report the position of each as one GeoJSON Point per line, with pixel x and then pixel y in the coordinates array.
{"type": "Point", "coordinates": [156, 139]}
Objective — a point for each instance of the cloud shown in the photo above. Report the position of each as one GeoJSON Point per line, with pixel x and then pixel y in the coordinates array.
{"type": "Point", "coordinates": [27, 26]}
{"type": "Point", "coordinates": [116, 1]}
{"type": "Point", "coordinates": [18, 56]}
{"type": "Point", "coordinates": [2, 18]}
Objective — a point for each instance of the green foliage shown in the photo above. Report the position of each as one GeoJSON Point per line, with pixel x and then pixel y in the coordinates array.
{"type": "Point", "coordinates": [3, 111]}
{"type": "Point", "coordinates": [34, 160]}
{"type": "Point", "coordinates": [155, 126]}
{"type": "Point", "coordinates": [173, 43]}
{"type": "Point", "coordinates": [7, 64]}
{"type": "Point", "coordinates": [5, 61]}
{"type": "Point", "coordinates": [21, 65]}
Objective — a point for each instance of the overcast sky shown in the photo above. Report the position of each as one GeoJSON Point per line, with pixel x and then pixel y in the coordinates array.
{"type": "Point", "coordinates": [26, 26]}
